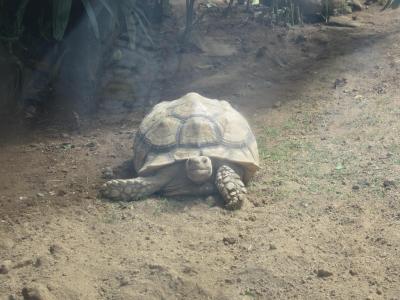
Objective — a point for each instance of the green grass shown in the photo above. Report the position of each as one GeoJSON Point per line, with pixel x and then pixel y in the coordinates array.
{"type": "Point", "coordinates": [307, 166]}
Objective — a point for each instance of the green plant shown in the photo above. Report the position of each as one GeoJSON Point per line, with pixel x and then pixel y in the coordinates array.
{"type": "Point", "coordinates": [57, 16]}
{"type": "Point", "coordinates": [286, 11]}
{"type": "Point", "coordinates": [391, 4]}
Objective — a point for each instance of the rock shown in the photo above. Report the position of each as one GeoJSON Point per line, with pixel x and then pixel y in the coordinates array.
{"type": "Point", "coordinates": [123, 281]}
{"type": "Point", "coordinates": [272, 247]}
{"type": "Point", "coordinates": [37, 292]}
{"type": "Point", "coordinates": [352, 272]}
{"type": "Point", "coordinates": [91, 145]}
{"type": "Point", "coordinates": [388, 184]}
{"type": "Point", "coordinates": [340, 82]}
{"type": "Point", "coordinates": [321, 273]}
{"type": "Point", "coordinates": [5, 266]}
{"type": "Point", "coordinates": [229, 240]}
{"type": "Point", "coordinates": [252, 218]}
{"type": "Point", "coordinates": [61, 193]}
{"type": "Point", "coordinates": [55, 249]}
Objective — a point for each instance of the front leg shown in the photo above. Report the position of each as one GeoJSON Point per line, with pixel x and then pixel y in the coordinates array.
{"type": "Point", "coordinates": [131, 189]}
{"type": "Point", "coordinates": [140, 187]}
{"type": "Point", "coordinates": [231, 187]}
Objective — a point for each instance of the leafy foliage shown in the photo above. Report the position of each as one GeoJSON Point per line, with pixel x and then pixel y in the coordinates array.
{"type": "Point", "coordinates": [391, 4]}
{"type": "Point", "coordinates": [61, 12]}
{"type": "Point", "coordinates": [12, 16]}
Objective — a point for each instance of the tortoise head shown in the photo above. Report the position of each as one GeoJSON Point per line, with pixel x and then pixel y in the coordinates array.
{"type": "Point", "coordinates": [199, 168]}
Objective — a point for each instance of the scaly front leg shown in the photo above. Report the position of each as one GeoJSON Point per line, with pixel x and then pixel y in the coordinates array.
{"type": "Point", "coordinates": [231, 187]}
{"type": "Point", "coordinates": [140, 187]}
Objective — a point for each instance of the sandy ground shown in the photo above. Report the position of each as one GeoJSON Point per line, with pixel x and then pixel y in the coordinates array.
{"type": "Point", "coordinates": [324, 219]}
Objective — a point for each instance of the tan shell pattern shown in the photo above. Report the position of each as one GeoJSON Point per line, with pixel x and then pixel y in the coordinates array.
{"type": "Point", "coordinates": [190, 126]}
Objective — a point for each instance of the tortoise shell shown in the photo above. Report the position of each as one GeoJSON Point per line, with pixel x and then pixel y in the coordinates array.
{"type": "Point", "coordinates": [191, 126]}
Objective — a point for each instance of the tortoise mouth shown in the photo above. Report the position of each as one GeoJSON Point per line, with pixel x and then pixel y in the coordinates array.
{"type": "Point", "coordinates": [199, 170]}
{"type": "Point", "coordinates": [199, 175]}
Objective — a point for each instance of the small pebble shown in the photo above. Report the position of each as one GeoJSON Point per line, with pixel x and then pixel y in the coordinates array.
{"type": "Point", "coordinates": [353, 273]}
{"type": "Point", "coordinates": [55, 249]}
{"type": "Point", "coordinates": [252, 218]}
{"type": "Point", "coordinates": [5, 266]}
{"type": "Point", "coordinates": [321, 273]}
{"type": "Point", "coordinates": [229, 240]}
{"type": "Point", "coordinates": [91, 145]}
{"type": "Point", "coordinates": [389, 184]}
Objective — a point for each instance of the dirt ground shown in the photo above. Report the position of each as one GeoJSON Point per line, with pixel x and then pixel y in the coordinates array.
{"type": "Point", "coordinates": [324, 219]}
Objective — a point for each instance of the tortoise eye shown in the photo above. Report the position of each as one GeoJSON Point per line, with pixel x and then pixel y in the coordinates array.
{"type": "Point", "coordinates": [204, 160]}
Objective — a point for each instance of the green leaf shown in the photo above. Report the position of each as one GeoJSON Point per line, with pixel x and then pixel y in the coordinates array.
{"type": "Point", "coordinates": [144, 29]}
{"type": "Point", "coordinates": [92, 17]}
{"type": "Point", "coordinates": [20, 16]}
{"type": "Point", "coordinates": [61, 13]}
{"type": "Point", "coordinates": [131, 28]}
{"type": "Point", "coordinates": [108, 7]}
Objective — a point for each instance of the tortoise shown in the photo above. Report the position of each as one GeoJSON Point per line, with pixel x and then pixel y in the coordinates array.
{"type": "Point", "coordinates": [191, 146]}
